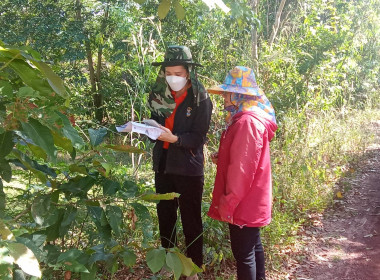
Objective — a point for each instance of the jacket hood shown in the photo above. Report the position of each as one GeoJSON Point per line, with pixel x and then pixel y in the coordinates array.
{"type": "Point", "coordinates": [269, 125]}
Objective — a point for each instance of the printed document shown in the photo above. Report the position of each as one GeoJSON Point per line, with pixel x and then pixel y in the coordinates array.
{"type": "Point", "coordinates": [148, 127]}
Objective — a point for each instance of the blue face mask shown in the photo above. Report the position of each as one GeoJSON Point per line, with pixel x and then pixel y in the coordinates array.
{"type": "Point", "coordinates": [230, 108]}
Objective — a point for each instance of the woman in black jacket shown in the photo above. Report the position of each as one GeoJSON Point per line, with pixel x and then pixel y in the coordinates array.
{"type": "Point", "coordinates": [180, 103]}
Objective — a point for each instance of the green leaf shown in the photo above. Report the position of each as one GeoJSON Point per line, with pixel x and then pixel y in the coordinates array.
{"type": "Point", "coordinates": [78, 186]}
{"type": "Point", "coordinates": [155, 259]}
{"type": "Point", "coordinates": [68, 218]}
{"type": "Point", "coordinates": [97, 135]}
{"type": "Point", "coordinates": [78, 168]}
{"type": "Point", "coordinates": [91, 275]}
{"type": "Point", "coordinates": [37, 151]}
{"type": "Point", "coordinates": [74, 266]}
{"type": "Point", "coordinates": [41, 136]}
{"type": "Point", "coordinates": [19, 275]}
{"type": "Point", "coordinates": [31, 76]}
{"type": "Point", "coordinates": [24, 258]}
{"type": "Point", "coordinates": [115, 218]}
{"type": "Point", "coordinates": [129, 258]}
{"type": "Point", "coordinates": [5, 170]}
{"type": "Point", "coordinates": [156, 196]}
{"type": "Point", "coordinates": [69, 255]}
{"type": "Point", "coordinates": [139, 1]}
{"type": "Point", "coordinates": [61, 141]}
{"type": "Point", "coordinates": [5, 88]}
{"type": "Point", "coordinates": [174, 263]}
{"type": "Point", "coordinates": [163, 8]}
{"type": "Point", "coordinates": [5, 233]}
{"type": "Point", "coordinates": [69, 131]}
{"type": "Point", "coordinates": [54, 80]}
{"type": "Point", "coordinates": [129, 189]}
{"type": "Point", "coordinates": [125, 148]}
{"type": "Point", "coordinates": [187, 264]}
{"type": "Point", "coordinates": [32, 245]}
{"type": "Point", "coordinates": [110, 187]}
{"type": "Point", "coordinates": [43, 212]}
{"type": "Point", "coordinates": [179, 10]}
{"type": "Point", "coordinates": [99, 218]}
{"type": "Point", "coordinates": [27, 92]}
{"type": "Point", "coordinates": [6, 143]}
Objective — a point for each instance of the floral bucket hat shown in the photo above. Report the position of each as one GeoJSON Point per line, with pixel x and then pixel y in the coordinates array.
{"type": "Point", "coordinates": [160, 100]}
{"type": "Point", "coordinates": [247, 95]}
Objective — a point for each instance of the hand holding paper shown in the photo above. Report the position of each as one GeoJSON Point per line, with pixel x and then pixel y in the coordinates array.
{"type": "Point", "coordinates": [149, 127]}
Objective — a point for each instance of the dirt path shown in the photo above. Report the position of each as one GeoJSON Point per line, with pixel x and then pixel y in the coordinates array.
{"type": "Point", "coordinates": [344, 244]}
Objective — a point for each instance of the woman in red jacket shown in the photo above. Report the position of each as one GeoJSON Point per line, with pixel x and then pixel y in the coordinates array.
{"type": "Point", "coordinates": [242, 193]}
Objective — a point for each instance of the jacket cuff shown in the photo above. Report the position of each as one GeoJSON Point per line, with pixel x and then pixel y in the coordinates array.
{"type": "Point", "coordinates": [227, 206]}
{"type": "Point", "coordinates": [179, 142]}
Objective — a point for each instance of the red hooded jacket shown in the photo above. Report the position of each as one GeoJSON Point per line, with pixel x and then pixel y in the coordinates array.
{"type": "Point", "coordinates": [243, 185]}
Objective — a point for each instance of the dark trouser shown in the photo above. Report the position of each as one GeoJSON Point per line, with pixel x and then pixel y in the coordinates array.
{"type": "Point", "coordinates": [190, 189]}
{"type": "Point", "coordinates": [248, 252]}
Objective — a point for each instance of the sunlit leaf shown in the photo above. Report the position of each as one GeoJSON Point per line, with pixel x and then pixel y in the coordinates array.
{"type": "Point", "coordinates": [69, 132]}
{"type": "Point", "coordinates": [187, 264]}
{"type": "Point", "coordinates": [5, 233]}
{"type": "Point", "coordinates": [157, 196]}
{"type": "Point", "coordinates": [155, 259]}
{"type": "Point", "coordinates": [25, 259]}
{"type": "Point", "coordinates": [174, 263]}
{"type": "Point", "coordinates": [163, 8]}
{"type": "Point", "coordinates": [179, 10]}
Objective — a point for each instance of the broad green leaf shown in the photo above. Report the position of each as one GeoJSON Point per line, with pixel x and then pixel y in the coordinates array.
{"type": "Point", "coordinates": [115, 218]}
{"type": "Point", "coordinates": [125, 148]}
{"type": "Point", "coordinates": [43, 212]}
{"type": "Point", "coordinates": [91, 275]}
{"type": "Point", "coordinates": [139, 1]}
{"type": "Point", "coordinates": [78, 186]}
{"type": "Point", "coordinates": [5, 170]}
{"type": "Point", "coordinates": [97, 135]}
{"type": "Point", "coordinates": [19, 275]}
{"type": "Point", "coordinates": [27, 92]}
{"type": "Point", "coordinates": [34, 246]}
{"type": "Point", "coordinates": [110, 187]}
{"type": "Point", "coordinates": [6, 143]}
{"type": "Point", "coordinates": [70, 132]}
{"type": "Point", "coordinates": [157, 196]}
{"type": "Point", "coordinates": [174, 263]}
{"type": "Point", "coordinates": [41, 136]}
{"type": "Point", "coordinates": [33, 165]}
{"type": "Point", "coordinates": [5, 233]}
{"type": "Point", "coordinates": [163, 8]}
{"type": "Point", "coordinates": [179, 10]}
{"type": "Point", "coordinates": [63, 142]}
{"type": "Point", "coordinates": [107, 167]}
{"type": "Point", "coordinates": [78, 168]}
{"type": "Point", "coordinates": [155, 259]}
{"type": "Point", "coordinates": [5, 88]}
{"type": "Point", "coordinates": [129, 258]}
{"type": "Point", "coordinates": [69, 255]}
{"type": "Point", "coordinates": [53, 253]}
{"type": "Point", "coordinates": [25, 259]}
{"type": "Point", "coordinates": [37, 151]}
{"type": "Point", "coordinates": [129, 189]}
{"type": "Point", "coordinates": [98, 254]}
{"type": "Point", "coordinates": [54, 80]}
{"type": "Point", "coordinates": [68, 218]}
{"type": "Point", "coordinates": [100, 220]}
{"type": "Point", "coordinates": [74, 266]}
{"type": "Point", "coordinates": [187, 264]}
{"type": "Point", "coordinates": [31, 77]}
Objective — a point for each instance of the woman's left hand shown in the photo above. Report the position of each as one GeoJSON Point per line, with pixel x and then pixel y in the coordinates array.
{"type": "Point", "coordinates": [167, 135]}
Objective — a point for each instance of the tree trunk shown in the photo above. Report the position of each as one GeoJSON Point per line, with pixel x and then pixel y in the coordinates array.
{"type": "Point", "coordinates": [255, 56]}
{"type": "Point", "coordinates": [277, 22]}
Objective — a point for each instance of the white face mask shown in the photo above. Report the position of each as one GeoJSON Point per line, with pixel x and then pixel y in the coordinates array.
{"type": "Point", "coordinates": [176, 83]}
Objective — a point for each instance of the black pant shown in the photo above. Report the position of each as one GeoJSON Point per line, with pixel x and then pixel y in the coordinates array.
{"type": "Point", "coordinates": [190, 189]}
{"type": "Point", "coordinates": [248, 252]}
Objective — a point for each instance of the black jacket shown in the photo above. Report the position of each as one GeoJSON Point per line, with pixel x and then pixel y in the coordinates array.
{"type": "Point", "coordinates": [191, 123]}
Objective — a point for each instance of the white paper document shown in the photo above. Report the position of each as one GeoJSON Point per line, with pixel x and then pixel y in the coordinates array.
{"type": "Point", "coordinates": [148, 127]}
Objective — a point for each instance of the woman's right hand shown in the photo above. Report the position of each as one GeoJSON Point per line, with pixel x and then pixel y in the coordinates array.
{"type": "Point", "coordinates": [214, 157]}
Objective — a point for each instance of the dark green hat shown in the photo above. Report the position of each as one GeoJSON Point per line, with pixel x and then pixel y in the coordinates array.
{"type": "Point", "coordinates": [177, 55]}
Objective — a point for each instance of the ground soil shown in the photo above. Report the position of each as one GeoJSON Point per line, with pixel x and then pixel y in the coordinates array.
{"type": "Point", "coordinates": [344, 243]}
